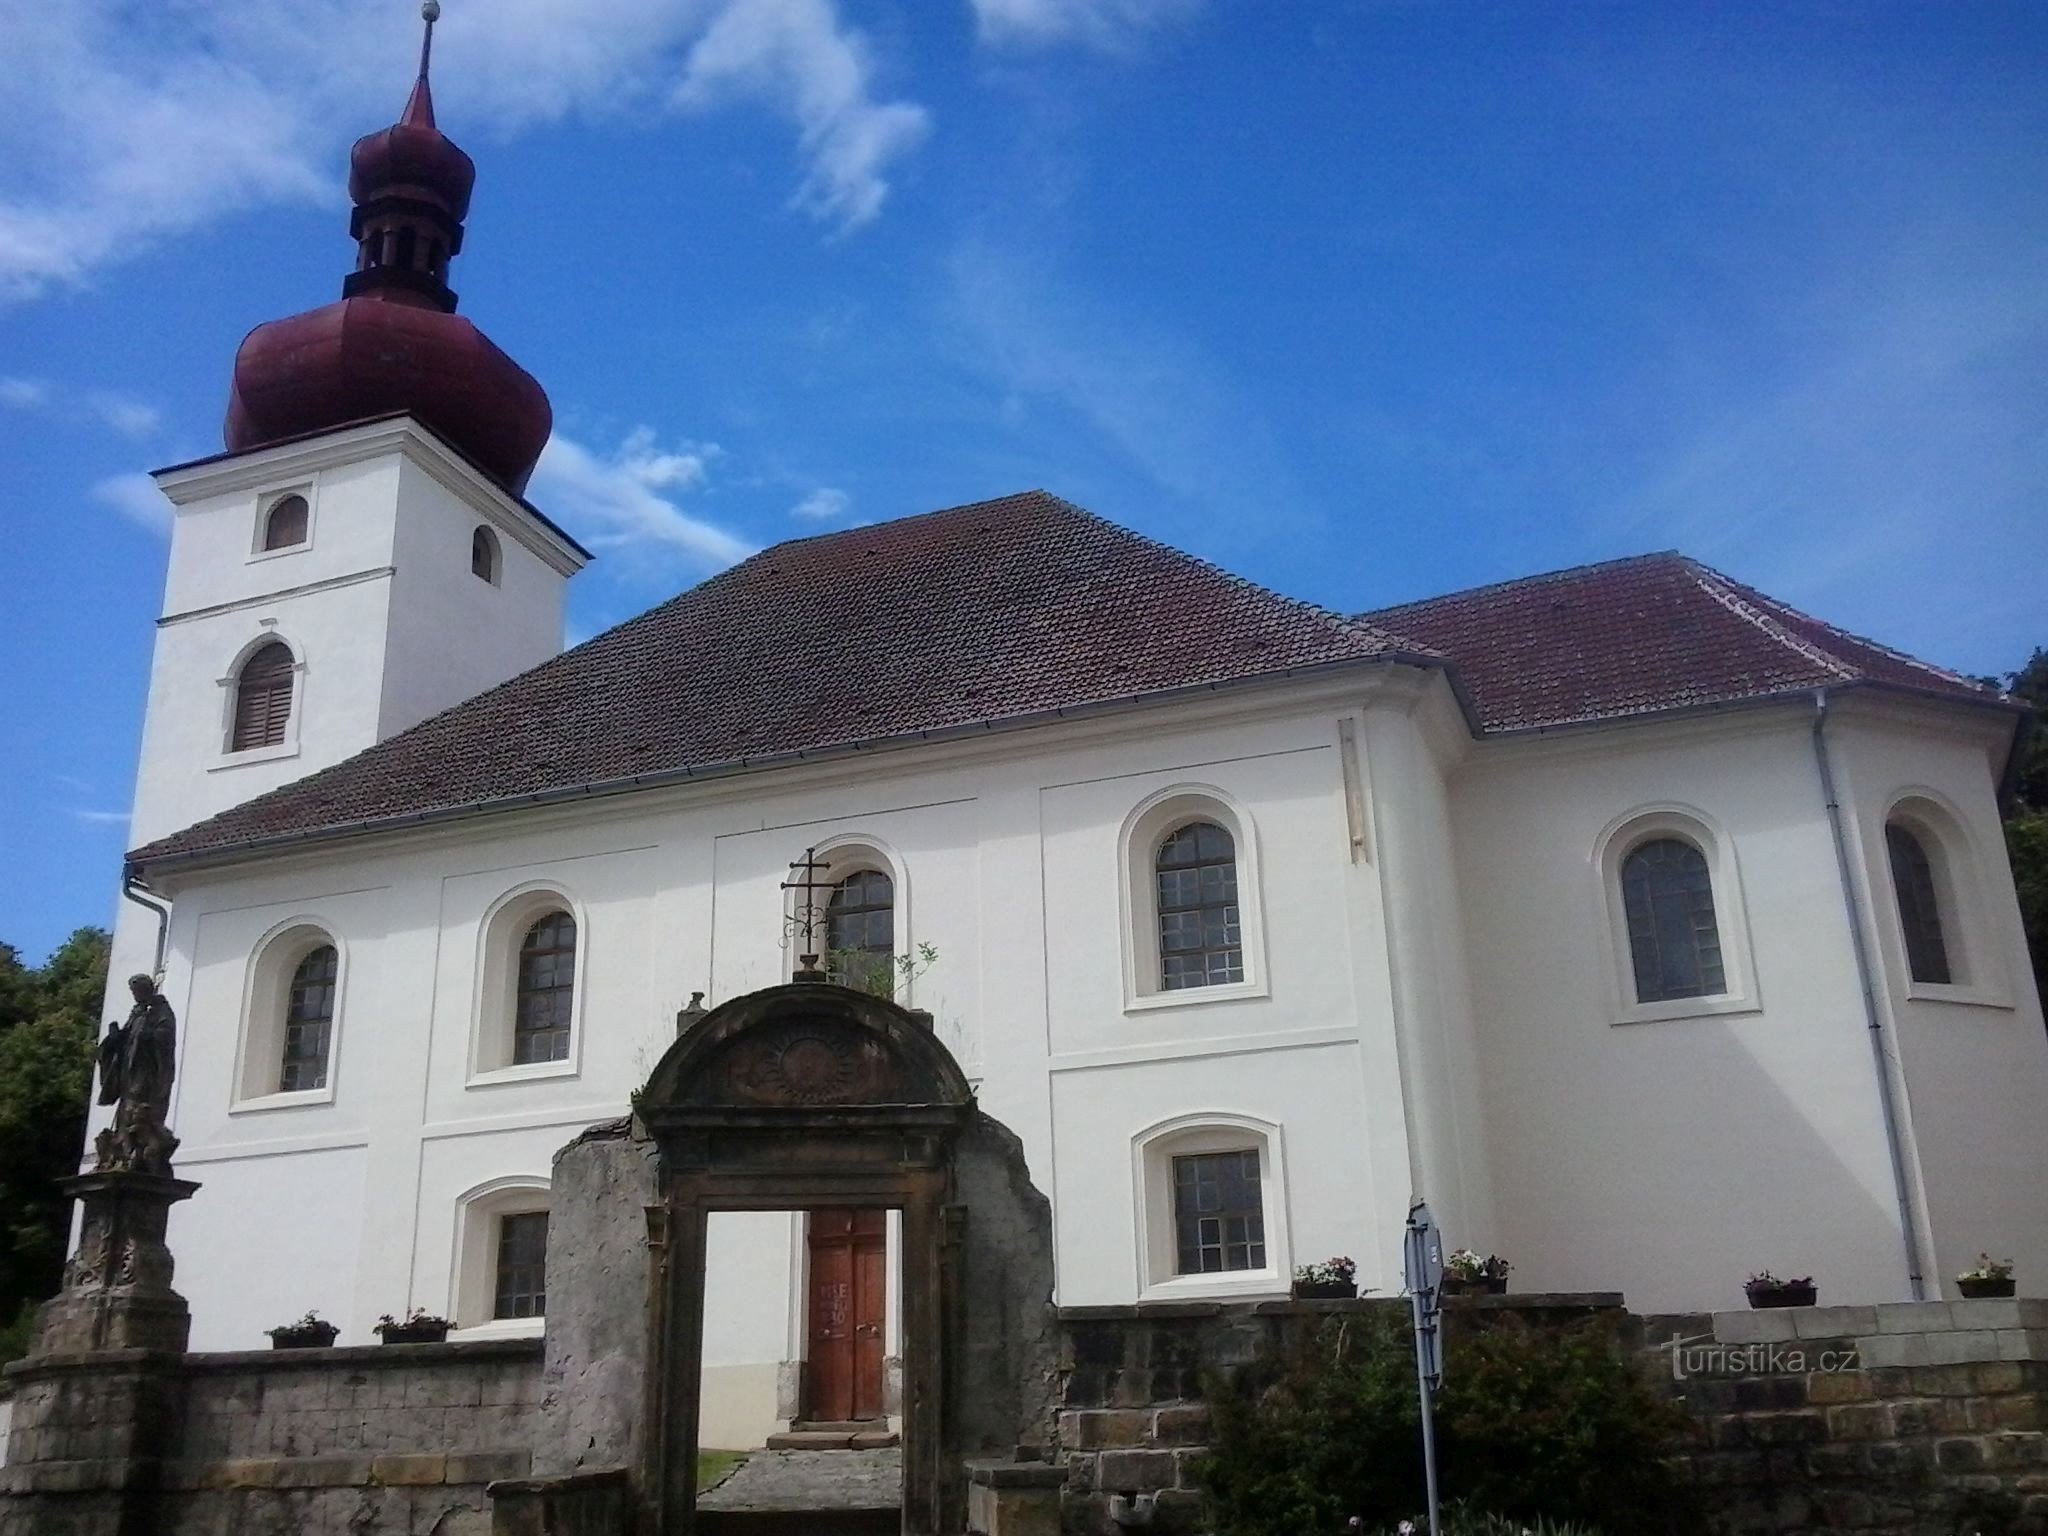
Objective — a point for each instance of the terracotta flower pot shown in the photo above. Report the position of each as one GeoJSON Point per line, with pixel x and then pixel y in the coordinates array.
{"type": "Point", "coordinates": [1976, 1289]}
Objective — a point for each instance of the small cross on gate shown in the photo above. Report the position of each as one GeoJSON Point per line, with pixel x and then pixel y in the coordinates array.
{"type": "Point", "coordinates": [806, 916]}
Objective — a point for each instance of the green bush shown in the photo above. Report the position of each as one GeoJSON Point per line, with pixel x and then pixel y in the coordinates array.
{"type": "Point", "coordinates": [1532, 1423]}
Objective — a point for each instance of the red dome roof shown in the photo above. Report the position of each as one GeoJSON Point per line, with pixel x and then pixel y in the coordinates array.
{"type": "Point", "coordinates": [394, 343]}
{"type": "Point", "coordinates": [369, 356]}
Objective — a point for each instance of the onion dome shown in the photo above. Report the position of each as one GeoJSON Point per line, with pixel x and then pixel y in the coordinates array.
{"type": "Point", "coordinates": [393, 343]}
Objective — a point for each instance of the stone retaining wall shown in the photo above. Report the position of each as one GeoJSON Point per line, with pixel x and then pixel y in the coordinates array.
{"type": "Point", "coordinates": [1912, 1417]}
{"type": "Point", "coordinates": [394, 1439]}
{"type": "Point", "coordinates": [1878, 1421]}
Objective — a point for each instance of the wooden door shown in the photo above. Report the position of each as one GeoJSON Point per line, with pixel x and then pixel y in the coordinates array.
{"type": "Point", "coordinates": [849, 1287]}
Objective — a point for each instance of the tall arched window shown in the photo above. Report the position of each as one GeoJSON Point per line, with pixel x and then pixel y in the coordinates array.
{"type": "Point", "coordinates": [308, 1022]}
{"type": "Point", "coordinates": [483, 554]}
{"type": "Point", "coordinates": [542, 1008]}
{"type": "Point", "coordinates": [263, 698]}
{"type": "Point", "coordinates": [1200, 939]}
{"type": "Point", "coordinates": [285, 523]}
{"type": "Point", "coordinates": [860, 924]}
{"type": "Point", "coordinates": [1674, 941]}
{"type": "Point", "coordinates": [1919, 905]}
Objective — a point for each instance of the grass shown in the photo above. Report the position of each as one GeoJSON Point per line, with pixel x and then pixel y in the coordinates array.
{"type": "Point", "coordinates": [713, 1465]}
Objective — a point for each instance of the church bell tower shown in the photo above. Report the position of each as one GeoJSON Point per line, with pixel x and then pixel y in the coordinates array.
{"type": "Point", "coordinates": [362, 555]}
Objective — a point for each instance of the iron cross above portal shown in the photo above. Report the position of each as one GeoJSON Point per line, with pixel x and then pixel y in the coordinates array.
{"type": "Point", "coordinates": [806, 915]}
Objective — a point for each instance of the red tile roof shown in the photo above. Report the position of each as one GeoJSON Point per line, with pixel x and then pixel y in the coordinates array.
{"type": "Point", "coordinates": [946, 622]}
{"type": "Point", "coordinates": [1639, 636]}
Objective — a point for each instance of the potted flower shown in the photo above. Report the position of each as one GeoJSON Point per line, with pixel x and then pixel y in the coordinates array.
{"type": "Point", "coordinates": [1767, 1290]}
{"type": "Point", "coordinates": [1332, 1280]}
{"type": "Point", "coordinates": [1988, 1277]}
{"type": "Point", "coordinates": [1467, 1274]}
{"type": "Point", "coordinates": [419, 1327]}
{"type": "Point", "coordinates": [310, 1332]}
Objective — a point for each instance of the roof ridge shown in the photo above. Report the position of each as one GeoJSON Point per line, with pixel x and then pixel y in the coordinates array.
{"type": "Point", "coordinates": [1770, 605]}
{"type": "Point", "coordinates": [1648, 557]}
{"type": "Point", "coordinates": [1727, 594]}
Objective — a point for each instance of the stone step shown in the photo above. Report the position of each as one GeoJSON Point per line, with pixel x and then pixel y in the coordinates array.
{"type": "Point", "coordinates": [834, 1437]}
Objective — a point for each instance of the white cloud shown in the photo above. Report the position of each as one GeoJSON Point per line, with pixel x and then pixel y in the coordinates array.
{"type": "Point", "coordinates": [102, 818]}
{"type": "Point", "coordinates": [136, 498]}
{"type": "Point", "coordinates": [626, 499]}
{"type": "Point", "coordinates": [823, 504]}
{"type": "Point", "coordinates": [796, 55]}
{"type": "Point", "coordinates": [22, 394]}
{"type": "Point", "coordinates": [129, 124]}
{"type": "Point", "coordinates": [1109, 24]}
{"type": "Point", "coordinates": [129, 417]}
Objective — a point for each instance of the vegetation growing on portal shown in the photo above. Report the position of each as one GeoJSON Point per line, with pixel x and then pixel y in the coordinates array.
{"type": "Point", "coordinates": [1532, 1423]}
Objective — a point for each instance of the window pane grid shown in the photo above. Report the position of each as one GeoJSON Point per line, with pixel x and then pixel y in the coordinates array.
{"type": "Point", "coordinates": [1219, 1216]}
{"type": "Point", "coordinates": [1200, 939]}
{"type": "Point", "coordinates": [1673, 937]}
{"type": "Point", "coordinates": [1919, 906]}
{"type": "Point", "coordinates": [547, 988]}
{"type": "Point", "coordinates": [860, 920]}
{"type": "Point", "coordinates": [308, 1022]}
{"type": "Point", "coordinates": [521, 1287]}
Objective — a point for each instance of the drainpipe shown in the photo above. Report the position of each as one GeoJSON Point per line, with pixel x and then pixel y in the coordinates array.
{"type": "Point", "coordinates": [1909, 1223]}
{"type": "Point", "coordinates": [133, 888]}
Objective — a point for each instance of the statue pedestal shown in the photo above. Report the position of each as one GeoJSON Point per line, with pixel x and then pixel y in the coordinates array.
{"type": "Point", "coordinates": [117, 1288]}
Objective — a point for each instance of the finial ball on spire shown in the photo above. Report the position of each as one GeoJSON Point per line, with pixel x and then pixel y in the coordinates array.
{"type": "Point", "coordinates": [430, 10]}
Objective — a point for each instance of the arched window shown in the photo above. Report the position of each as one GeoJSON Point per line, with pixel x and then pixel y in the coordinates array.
{"type": "Point", "coordinates": [1674, 941]}
{"type": "Point", "coordinates": [860, 932]}
{"type": "Point", "coordinates": [1919, 905]}
{"type": "Point", "coordinates": [308, 1022]}
{"type": "Point", "coordinates": [501, 1253]}
{"type": "Point", "coordinates": [263, 698]}
{"type": "Point", "coordinates": [1212, 1215]}
{"type": "Point", "coordinates": [483, 554]}
{"type": "Point", "coordinates": [543, 1004]}
{"type": "Point", "coordinates": [1200, 940]}
{"type": "Point", "coordinates": [285, 523]}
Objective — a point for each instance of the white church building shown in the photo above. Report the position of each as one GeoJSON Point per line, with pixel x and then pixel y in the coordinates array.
{"type": "Point", "coordinates": [1653, 931]}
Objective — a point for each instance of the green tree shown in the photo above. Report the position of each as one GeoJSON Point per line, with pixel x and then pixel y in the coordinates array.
{"type": "Point", "coordinates": [48, 1027]}
{"type": "Point", "coordinates": [2026, 822]}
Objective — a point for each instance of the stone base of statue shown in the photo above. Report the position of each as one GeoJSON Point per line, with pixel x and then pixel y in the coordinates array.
{"type": "Point", "coordinates": [117, 1288]}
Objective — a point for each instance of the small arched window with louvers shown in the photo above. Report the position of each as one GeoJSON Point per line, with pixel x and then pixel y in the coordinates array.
{"type": "Point", "coordinates": [263, 698]}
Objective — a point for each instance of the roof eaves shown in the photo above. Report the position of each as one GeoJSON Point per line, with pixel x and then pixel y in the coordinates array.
{"type": "Point", "coordinates": [145, 858]}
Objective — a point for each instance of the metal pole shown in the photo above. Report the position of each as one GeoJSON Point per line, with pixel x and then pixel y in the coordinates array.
{"type": "Point", "coordinates": [1422, 1327]}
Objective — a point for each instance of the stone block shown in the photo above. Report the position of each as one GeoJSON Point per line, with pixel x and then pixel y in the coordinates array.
{"type": "Point", "coordinates": [1135, 1471]}
{"type": "Point", "coordinates": [1859, 1421]}
{"type": "Point", "coordinates": [1826, 1388]}
{"type": "Point", "coordinates": [323, 1472]}
{"type": "Point", "coordinates": [1771, 1325]}
{"type": "Point", "coordinates": [1786, 1428]}
{"type": "Point", "coordinates": [1988, 1312]}
{"type": "Point", "coordinates": [409, 1471]}
{"type": "Point", "coordinates": [1888, 1349]}
{"type": "Point", "coordinates": [1182, 1426]}
{"type": "Point", "coordinates": [1832, 1322]}
{"type": "Point", "coordinates": [1913, 1317]}
{"type": "Point", "coordinates": [1943, 1381]}
{"type": "Point", "coordinates": [487, 1466]}
{"type": "Point", "coordinates": [1962, 1347]}
{"type": "Point", "coordinates": [1094, 1429]}
{"type": "Point", "coordinates": [1770, 1392]}
{"type": "Point", "coordinates": [1959, 1455]}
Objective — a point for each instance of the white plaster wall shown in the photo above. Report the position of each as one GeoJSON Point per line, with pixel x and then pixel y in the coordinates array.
{"type": "Point", "coordinates": [1009, 851]}
{"type": "Point", "coordinates": [6, 1423]}
{"type": "Point", "coordinates": [752, 1324]}
{"type": "Point", "coordinates": [452, 634]}
{"type": "Point", "coordinates": [1672, 1159]}
{"type": "Point", "coordinates": [1974, 1056]}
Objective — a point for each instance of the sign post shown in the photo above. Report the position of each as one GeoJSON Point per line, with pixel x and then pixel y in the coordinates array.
{"type": "Point", "coordinates": [1424, 1273]}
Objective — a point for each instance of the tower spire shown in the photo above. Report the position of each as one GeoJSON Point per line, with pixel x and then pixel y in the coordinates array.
{"type": "Point", "coordinates": [419, 107]}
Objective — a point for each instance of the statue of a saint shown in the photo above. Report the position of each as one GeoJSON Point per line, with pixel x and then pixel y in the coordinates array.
{"type": "Point", "coordinates": [138, 1060]}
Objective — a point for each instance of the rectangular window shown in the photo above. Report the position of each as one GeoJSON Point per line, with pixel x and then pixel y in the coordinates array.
{"type": "Point", "coordinates": [522, 1288]}
{"type": "Point", "coordinates": [1219, 1214]}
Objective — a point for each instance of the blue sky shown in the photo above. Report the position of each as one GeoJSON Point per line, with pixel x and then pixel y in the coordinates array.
{"type": "Point", "coordinates": [1366, 301]}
